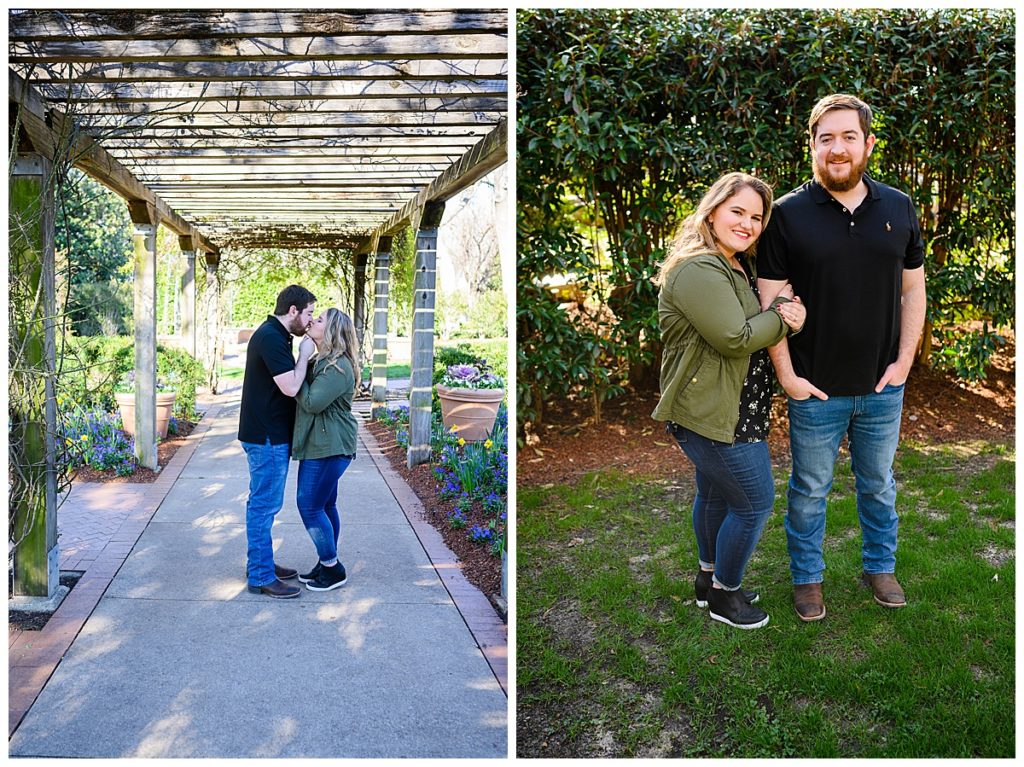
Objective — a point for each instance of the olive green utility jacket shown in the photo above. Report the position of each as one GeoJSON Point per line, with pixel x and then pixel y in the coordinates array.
{"type": "Point", "coordinates": [324, 424]}
{"type": "Point", "coordinates": [711, 321]}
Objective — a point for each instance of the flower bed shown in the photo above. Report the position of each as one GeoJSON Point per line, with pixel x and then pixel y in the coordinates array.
{"type": "Point", "coordinates": [94, 441]}
{"type": "Point", "coordinates": [472, 478]}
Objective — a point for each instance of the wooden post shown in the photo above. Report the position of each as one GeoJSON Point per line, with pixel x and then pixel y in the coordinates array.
{"type": "Point", "coordinates": [359, 298]}
{"type": "Point", "coordinates": [32, 405]}
{"type": "Point", "coordinates": [212, 350]}
{"type": "Point", "coordinates": [381, 283]}
{"type": "Point", "coordinates": [188, 295]}
{"type": "Point", "coordinates": [145, 218]}
{"type": "Point", "coordinates": [424, 283]}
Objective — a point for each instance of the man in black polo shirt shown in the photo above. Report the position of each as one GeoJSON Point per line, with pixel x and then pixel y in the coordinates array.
{"type": "Point", "coordinates": [272, 379]}
{"type": "Point", "coordinates": [851, 247]}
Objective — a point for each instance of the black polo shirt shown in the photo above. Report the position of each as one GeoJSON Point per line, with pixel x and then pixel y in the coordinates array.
{"type": "Point", "coordinates": [847, 267]}
{"type": "Point", "coordinates": [266, 411]}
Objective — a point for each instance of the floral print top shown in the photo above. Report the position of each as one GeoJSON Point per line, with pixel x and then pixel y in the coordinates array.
{"type": "Point", "coordinates": [756, 394]}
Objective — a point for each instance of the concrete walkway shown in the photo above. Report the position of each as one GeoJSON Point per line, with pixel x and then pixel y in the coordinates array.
{"type": "Point", "coordinates": [177, 659]}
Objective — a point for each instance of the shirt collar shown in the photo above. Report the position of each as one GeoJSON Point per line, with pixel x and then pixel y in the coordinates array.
{"type": "Point", "coordinates": [280, 327]}
{"type": "Point", "coordinates": [821, 195]}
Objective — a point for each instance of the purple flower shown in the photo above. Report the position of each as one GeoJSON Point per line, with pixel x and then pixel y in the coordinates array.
{"type": "Point", "coordinates": [467, 373]}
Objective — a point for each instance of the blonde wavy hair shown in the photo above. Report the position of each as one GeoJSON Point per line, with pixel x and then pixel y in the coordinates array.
{"type": "Point", "coordinates": [339, 341]}
{"type": "Point", "coordinates": [695, 234]}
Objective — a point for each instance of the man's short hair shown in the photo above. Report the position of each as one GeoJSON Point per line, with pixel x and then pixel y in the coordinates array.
{"type": "Point", "coordinates": [840, 101]}
{"type": "Point", "coordinates": [293, 295]}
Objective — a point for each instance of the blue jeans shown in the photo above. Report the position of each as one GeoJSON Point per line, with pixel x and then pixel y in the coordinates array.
{"type": "Point", "coordinates": [816, 427]}
{"type": "Point", "coordinates": [268, 471]}
{"type": "Point", "coordinates": [735, 494]}
{"type": "Point", "coordinates": [317, 499]}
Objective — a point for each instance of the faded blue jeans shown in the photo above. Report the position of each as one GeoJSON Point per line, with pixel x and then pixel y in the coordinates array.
{"type": "Point", "coordinates": [735, 495]}
{"type": "Point", "coordinates": [268, 471]}
{"type": "Point", "coordinates": [816, 427]}
{"type": "Point", "coordinates": [317, 499]}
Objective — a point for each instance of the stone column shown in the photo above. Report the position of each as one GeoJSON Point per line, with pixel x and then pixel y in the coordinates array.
{"type": "Point", "coordinates": [424, 285]}
{"type": "Point", "coordinates": [145, 218]}
{"type": "Point", "coordinates": [359, 298]}
{"type": "Point", "coordinates": [188, 295]}
{"type": "Point", "coordinates": [212, 343]}
{"type": "Point", "coordinates": [32, 475]}
{"type": "Point", "coordinates": [381, 285]}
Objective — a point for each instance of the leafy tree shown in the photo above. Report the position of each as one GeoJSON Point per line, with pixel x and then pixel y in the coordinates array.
{"type": "Point", "coordinates": [93, 244]}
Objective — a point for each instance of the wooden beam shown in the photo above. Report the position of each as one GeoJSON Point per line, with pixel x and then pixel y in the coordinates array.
{"type": "Point", "coordinates": [190, 186]}
{"type": "Point", "coordinates": [145, 24]}
{"type": "Point", "coordinates": [422, 154]}
{"type": "Point", "coordinates": [288, 137]}
{"type": "Point", "coordinates": [223, 71]}
{"type": "Point", "coordinates": [442, 120]}
{"type": "Point", "coordinates": [291, 196]}
{"type": "Point", "coordinates": [201, 115]}
{"type": "Point", "coordinates": [244, 105]}
{"type": "Point", "coordinates": [474, 165]}
{"type": "Point", "coordinates": [246, 175]}
{"type": "Point", "coordinates": [382, 154]}
{"type": "Point", "coordinates": [203, 164]}
{"type": "Point", "coordinates": [50, 130]}
{"type": "Point", "coordinates": [280, 90]}
{"type": "Point", "coordinates": [341, 47]}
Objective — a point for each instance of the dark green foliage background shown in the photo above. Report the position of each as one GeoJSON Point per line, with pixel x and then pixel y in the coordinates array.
{"type": "Point", "coordinates": [626, 117]}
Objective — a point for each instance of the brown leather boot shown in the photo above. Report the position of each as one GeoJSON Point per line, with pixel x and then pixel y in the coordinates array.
{"type": "Point", "coordinates": [887, 589]}
{"type": "Point", "coordinates": [809, 603]}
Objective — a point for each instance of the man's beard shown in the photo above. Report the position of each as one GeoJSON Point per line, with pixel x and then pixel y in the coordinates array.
{"type": "Point", "coordinates": [833, 184]}
{"type": "Point", "coordinates": [297, 328]}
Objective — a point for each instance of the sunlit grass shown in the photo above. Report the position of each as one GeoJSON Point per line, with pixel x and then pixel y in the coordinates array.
{"type": "Point", "coordinates": [615, 657]}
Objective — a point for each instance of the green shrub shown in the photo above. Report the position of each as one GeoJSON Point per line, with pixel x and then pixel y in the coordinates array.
{"type": "Point", "coordinates": [93, 365]}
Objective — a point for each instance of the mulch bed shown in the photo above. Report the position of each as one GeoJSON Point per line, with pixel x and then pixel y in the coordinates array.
{"type": "Point", "coordinates": [26, 620]}
{"type": "Point", "coordinates": [480, 567]}
{"type": "Point", "coordinates": [937, 409]}
{"type": "Point", "coordinates": [165, 450]}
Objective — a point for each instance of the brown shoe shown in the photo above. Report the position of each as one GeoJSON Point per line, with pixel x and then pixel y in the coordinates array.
{"type": "Point", "coordinates": [809, 603]}
{"type": "Point", "coordinates": [888, 591]}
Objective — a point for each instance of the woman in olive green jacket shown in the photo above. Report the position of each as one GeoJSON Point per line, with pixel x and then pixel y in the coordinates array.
{"type": "Point", "coordinates": [324, 440]}
{"type": "Point", "coordinates": [716, 383]}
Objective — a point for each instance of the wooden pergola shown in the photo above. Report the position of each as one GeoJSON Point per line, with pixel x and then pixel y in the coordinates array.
{"type": "Point", "coordinates": [256, 129]}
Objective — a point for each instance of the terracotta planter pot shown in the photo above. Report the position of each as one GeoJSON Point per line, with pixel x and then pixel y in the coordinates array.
{"type": "Point", "coordinates": [472, 410]}
{"type": "Point", "coordinates": [164, 408]}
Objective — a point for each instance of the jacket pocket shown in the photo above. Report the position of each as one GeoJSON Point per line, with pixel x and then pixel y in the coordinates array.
{"type": "Point", "coordinates": [703, 393]}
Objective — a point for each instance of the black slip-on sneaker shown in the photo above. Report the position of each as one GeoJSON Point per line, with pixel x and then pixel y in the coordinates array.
{"type": "Point", "coordinates": [702, 584]}
{"type": "Point", "coordinates": [731, 608]}
{"type": "Point", "coordinates": [329, 578]}
{"type": "Point", "coordinates": [312, 574]}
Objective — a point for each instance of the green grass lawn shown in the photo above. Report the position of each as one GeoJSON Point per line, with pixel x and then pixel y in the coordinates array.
{"type": "Point", "coordinates": [615, 659]}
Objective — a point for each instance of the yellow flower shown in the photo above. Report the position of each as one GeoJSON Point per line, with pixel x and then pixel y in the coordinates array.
{"type": "Point", "coordinates": [454, 428]}
{"type": "Point", "coordinates": [68, 440]}
{"type": "Point", "coordinates": [488, 444]}
{"type": "Point", "coordinates": [85, 438]}
{"type": "Point", "coordinates": [462, 442]}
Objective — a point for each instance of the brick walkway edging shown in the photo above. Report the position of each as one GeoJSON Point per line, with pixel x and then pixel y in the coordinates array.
{"type": "Point", "coordinates": [487, 628]}
{"type": "Point", "coordinates": [35, 655]}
